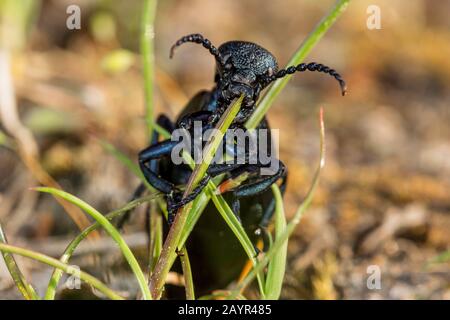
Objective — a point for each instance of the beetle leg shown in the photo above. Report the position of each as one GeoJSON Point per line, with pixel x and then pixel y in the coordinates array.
{"type": "Point", "coordinates": [264, 235]}
{"type": "Point", "coordinates": [167, 124]}
{"type": "Point", "coordinates": [213, 171]}
{"type": "Point", "coordinates": [176, 201]}
{"type": "Point", "coordinates": [188, 120]}
{"type": "Point", "coordinates": [235, 205]}
{"type": "Point", "coordinates": [147, 164]}
{"type": "Point", "coordinates": [254, 188]}
{"type": "Point", "coordinates": [260, 185]}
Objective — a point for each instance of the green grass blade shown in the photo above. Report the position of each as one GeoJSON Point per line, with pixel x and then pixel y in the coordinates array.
{"type": "Point", "coordinates": [123, 158]}
{"type": "Point", "coordinates": [5, 141]}
{"type": "Point", "coordinates": [279, 242]}
{"type": "Point", "coordinates": [277, 265]}
{"type": "Point", "coordinates": [238, 230]}
{"type": "Point", "coordinates": [134, 168]}
{"type": "Point", "coordinates": [111, 230]}
{"type": "Point", "coordinates": [22, 284]}
{"type": "Point", "coordinates": [305, 48]}
{"type": "Point", "coordinates": [211, 147]}
{"type": "Point", "coordinates": [68, 252]}
{"type": "Point", "coordinates": [156, 240]}
{"type": "Point", "coordinates": [187, 273]}
{"type": "Point", "coordinates": [202, 200]}
{"type": "Point", "coordinates": [148, 59]}
{"type": "Point", "coordinates": [5, 248]}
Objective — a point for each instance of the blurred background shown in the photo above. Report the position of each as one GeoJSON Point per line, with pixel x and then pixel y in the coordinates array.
{"type": "Point", "coordinates": [384, 195]}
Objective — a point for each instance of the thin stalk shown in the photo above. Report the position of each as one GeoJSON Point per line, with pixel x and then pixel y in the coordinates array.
{"type": "Point", "coordinates": [187, 273]}
{"type": "Point", "coordinates": [148, 59]}
{"type": "Point", "coordinates": [277, 266]}
{"type": "Point", "coordinates": [299, 56]}
{"type": "Point", "coordinates": [68, 252]}
{"type": "Point", "coordinates": [279, 242]}
{"type": "Point", "coordinates": [238, 230]}
{"type": "Point", "coordinates": [100, 286]}
{"type": "Point", "coordinates": [126, 161]}
{"type": "Point", "coordinates": [25, 288]}
{"type": "Point", "coordinates": [111, 230]}
{"type": "Point", "coordinates": [156, 240]}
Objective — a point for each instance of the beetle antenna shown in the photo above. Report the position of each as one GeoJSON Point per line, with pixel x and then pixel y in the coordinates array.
{"type": "Point", "coordinates": [313, 66]}
{"type": "Point", "coordinates": [198, 38]}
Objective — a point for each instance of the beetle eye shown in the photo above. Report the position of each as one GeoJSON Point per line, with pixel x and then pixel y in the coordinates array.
{"type": "Point", "coordinates": [228, 66]}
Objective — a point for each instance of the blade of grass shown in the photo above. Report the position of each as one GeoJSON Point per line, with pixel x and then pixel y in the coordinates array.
{"type": "Point", "coordinates": [156, 240]}
{"type": "Point", "coordinates": [198, 205]}
{"type": "Point", "coordinates": [279, 242]}
{"type": "Point", "coordinates": [163, 265]}
{"type": "Point", "coordinates": [187, 273]}
{"type": "Point", "coordinates": [305, 48]}
{"type": "Point", "coordinates": [148, 59]}
{"type": "Point", "coordinates": [238, 230]}
{"type": "Point", "coordinates": [100, 286]}
{"type": "Point", "coordinates": [133, 167]}
{"type": "Point", "coordinates": [21, 282]}
{"type": "Point", "coordinates": [277, 265]}
{"type": "Point", "coordinates": [211, 147]}
{"type": "Point", "coordinates": [115, 235]}
{"type": "Point", "coordinates": [224, 209]}
{"type": "Point", "coordinates": [70, 249]}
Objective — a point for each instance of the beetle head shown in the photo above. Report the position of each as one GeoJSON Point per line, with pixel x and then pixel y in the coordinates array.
{"type": "Point", "coordinates": [242, 69]}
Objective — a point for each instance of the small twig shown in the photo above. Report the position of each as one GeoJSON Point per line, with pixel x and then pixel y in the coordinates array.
{"type": "Point", "coordinates": [112, 232]}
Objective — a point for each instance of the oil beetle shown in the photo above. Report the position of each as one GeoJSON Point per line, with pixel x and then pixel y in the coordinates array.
{"type": "Point", "coordinates": [241, 68]}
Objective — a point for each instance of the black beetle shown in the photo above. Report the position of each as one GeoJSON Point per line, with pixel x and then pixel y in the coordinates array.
{"type": "Point", "coordinates": [241, 68]}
